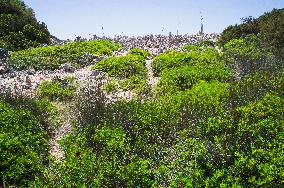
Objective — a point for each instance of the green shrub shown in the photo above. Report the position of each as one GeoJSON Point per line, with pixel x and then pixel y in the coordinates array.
{"type": "Point", "coordinates": [200, 46]}
{"type": "Point", "coordinates": [238, 149]}
{"type": "Point", "coordinates": [173, 59]}
{"type": "Point", "coordinates": [183, 78]}
{"type": "Point", "coordinates": [247, 27]}
{"type": "Point", "coordinates": [170, 60]}
{"type": "Point", "coordinates": [57, 89]}
{"type": "Point", "coordinates": [138, 51]}
{"type": "Point", "coordinates": [206, 43]}
{"type": "Point", "coordinates": [246, 55]}
{"type": "Point", "coordinates": [123, 67]}
{"type": "Point", "coordinates": [44, 111]}
{"type": "Point", "coordinates": [269, 26]}
{"type": "Point", "coordinates": [203, 100]}
{"type": "Point", "coordinates": [111, 87]}
{"type": "Point", "coordinates": [51, 57]}
{"type": "Point", "coordinates": [23, 146]}
{"type": "Point", "coordinates": [136, 83]}
{"type": "Point", "coordinates": [193, 48]}
{"type": "Point", "coordinates": [254, 86]}
{"type": "Point", "coordinates": [103, 161]}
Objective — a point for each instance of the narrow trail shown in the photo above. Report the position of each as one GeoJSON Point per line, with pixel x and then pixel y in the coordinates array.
{"type": "Point", "coordinates": [66, 112]}
{"type": "Point", "coordinates": [83, 76]}
{"type": "Point", "coordinates": [64, 129]}
{"type": "Point", "coordinates": [22, 83]}
{"type": "Point", "coordinates": [150, 74]}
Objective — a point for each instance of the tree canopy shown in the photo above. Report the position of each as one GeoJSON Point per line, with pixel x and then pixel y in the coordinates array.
{"type": "Point", "coordinates": [269, 26]}
{"type": "Point", "coordinates": [19, 28]}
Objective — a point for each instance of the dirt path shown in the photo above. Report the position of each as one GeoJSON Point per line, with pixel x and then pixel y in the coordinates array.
{"type": "Point", "coordinates": [24, 83]}
{"type": "Point", "coordinates": [150, 74]}
{"type": "Point", "coordinates": [64, 129]}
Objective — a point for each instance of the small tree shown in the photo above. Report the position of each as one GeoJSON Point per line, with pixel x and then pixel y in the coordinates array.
{"type": "Point", "coordinates": [19, 28]}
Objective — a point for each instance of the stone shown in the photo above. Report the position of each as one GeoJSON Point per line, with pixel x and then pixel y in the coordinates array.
{"type": "Point", "coordinates": [12, 75]}
{"type": "Point", "coordinates": [90, 56]}
{"type": "Point", "coordinates": [27, 86]}
{"type": "Point", "coordinates": [98, 59]}
{"type": "Point", "coordinates": [96, 73]}
{"type": "Point", "coordinates": [28, 80]}
{"type": "Point", "coordinates": [4, 69]}
{"type": "Point", "coordinates": [3, 56]}
{"type": "Point", "coordinates": [67, 67]}
{"type": "Point", "coordinates": [31, 71]}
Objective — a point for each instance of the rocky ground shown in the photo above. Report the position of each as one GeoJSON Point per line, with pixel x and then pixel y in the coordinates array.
{"type": "Point", "coordinates": [25, 83]}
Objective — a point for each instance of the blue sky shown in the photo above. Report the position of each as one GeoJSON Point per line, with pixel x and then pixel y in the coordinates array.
{"type": "Point", "coordinates": [69, 18]}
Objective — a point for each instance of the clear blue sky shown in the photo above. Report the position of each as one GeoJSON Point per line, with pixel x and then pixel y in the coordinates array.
{"type": "Point", "coordinates": [67, 18]}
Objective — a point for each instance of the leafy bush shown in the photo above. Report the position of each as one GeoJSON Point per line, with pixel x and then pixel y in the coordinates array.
{"type": "Point", "coordinates": [200, 46]}
{"type": "Point", "coordinates": [106, 163]}
{"type": "Point", "coordinates": [57, 89]}
{"type": "Point", "coordinates": [136, 83]}
{"type": "Point", "coordinates": [111, 87]}
{"type": "Point", "coordinates": [272, 29]}
{"type": "Point", "coordinates": [123, 67]}
{"type": "Point", "coordinates": [183, 78]}
{"type": "Point", "coordinates": [254, 86]}
{"type": "Point", "coordinates": [51, 57]}
{"type": "Point", "coordinates": [249, 26]}
{"type": "Point", "coordinates": [206, 43]}
{"type": "Point", "coordinates": [193, 48]}
{"type": "Point", "coordinates": [44, 111]}
{"type": "Point", "coordinates": [172, 59]}
{"type": "Point", "coordinates": [24, 146]}
{"type": "Point", "coordinates": [242, 148]}
{"type": "Point", "coordinates": [269, 26]}
{"type": "Point", "coordinates": [203, 100]}
{"type": "Point", "coordinates": [246, 55]}
{"type": "Point", "coordinates": [137, 51]}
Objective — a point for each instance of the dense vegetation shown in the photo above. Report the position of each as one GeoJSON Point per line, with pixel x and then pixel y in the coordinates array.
{"type": "Point", "coordinates": [51, 57]}
{"type": "Point", "coordinates": [57, 89]}
{"type": "Point", "coordinates": [25, 128]}
{"type": "Point", "coordinates": [270, 28]}
{"type": "Point", "coordinates": [215, 119]}
{"type": "Point", "coordinates": [123, 67]}
{"type": "Point", "coordinates": [130, 71]}
{"type": "Point", "coordinates": [19, 28]}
